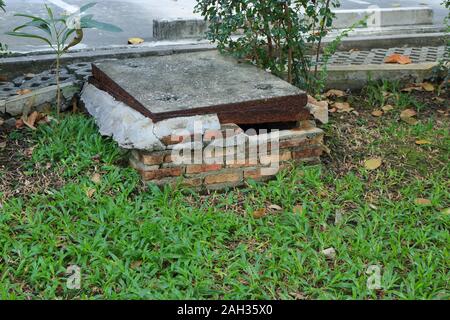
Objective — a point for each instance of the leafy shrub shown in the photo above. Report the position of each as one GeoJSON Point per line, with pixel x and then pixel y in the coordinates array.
{"type": "Point", "coordinates": [284, 36]}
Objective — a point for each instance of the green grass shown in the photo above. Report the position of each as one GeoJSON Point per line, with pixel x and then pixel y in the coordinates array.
{"type": "Point", "coordinates": [135, 242]}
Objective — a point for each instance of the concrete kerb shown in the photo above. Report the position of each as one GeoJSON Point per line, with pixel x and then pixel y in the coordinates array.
{"type": "Point", "coordinates": [35, 63]}
{"type": "Point", "coordinates": [23, 104]}
{"type": "Point", "coordinates": [384, 17]}
{"type": "Point", "coordinates": [357, 76]}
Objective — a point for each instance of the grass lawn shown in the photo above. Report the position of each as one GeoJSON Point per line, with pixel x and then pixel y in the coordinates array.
{"type": "Point", "coordinates": [67, 198]}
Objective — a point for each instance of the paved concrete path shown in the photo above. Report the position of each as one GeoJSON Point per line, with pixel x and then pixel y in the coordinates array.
{"type": "Point", "coordinates": [135, 17]}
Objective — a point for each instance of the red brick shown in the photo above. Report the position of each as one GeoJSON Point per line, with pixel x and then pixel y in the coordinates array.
{"type": "Point", "coordinates": [193, 182]}
{"type": "Point", "coordinates": [307, 153]}
{"type": "Point", "coordinates": [162, 173]}
{"type": "Point", "coordinates": [152, 159]}
{"type": "Point", "coordinates": [224, 177]}
{"type": "Point", "coordinates": [282, 156]}
{"type": "Point", "coordinates": [254, 174]}
{"type": "Point", "coordinates": [199, 168]}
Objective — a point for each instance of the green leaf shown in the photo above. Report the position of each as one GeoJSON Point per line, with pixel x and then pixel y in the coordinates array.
{"type": "Point", "coordinates": [31, 17]}
{"type": "Point", "coordinates": [87, 6]}
{"type": "Point", "coordinates": [37, 24]}
{"type": "Point", "coordinates": [28, 35]}
{"type": "Point", "coordinates": [89, 24]}
{"type": "Point", "coordinates": [67, 34]}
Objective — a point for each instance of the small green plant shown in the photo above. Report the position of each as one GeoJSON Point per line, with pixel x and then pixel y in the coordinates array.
{"type": "Point", "coordinates": [283, 36]}
{"type": "Point", "coordinates": [3, 47]}
{"type": "Point", "coordinates": [279, 35]}
{"type": "Point", "coordinates": [61, 33]}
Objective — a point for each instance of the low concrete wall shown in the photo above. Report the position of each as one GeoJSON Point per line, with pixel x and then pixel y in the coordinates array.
{"type": "Point", "coordinates": [384, 17]}
{"type": "Point", "coordinates": [179, 29]}
{"type": "Point", "coordinates": [378, 18]}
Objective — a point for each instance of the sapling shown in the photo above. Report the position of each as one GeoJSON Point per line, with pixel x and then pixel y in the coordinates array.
{"type": "Point", "coordinates": [60, 33]}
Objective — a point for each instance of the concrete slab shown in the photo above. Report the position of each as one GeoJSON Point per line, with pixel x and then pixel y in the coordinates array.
{"type": "Point", "coordinates": [201, 83]}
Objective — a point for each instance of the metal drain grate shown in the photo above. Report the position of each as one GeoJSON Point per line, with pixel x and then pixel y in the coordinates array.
{"type": "Point", "coordinates": [377, 56]}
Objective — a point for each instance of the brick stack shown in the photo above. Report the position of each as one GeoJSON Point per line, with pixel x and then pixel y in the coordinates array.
{"type": "Point", "coordinates": [301, 144]}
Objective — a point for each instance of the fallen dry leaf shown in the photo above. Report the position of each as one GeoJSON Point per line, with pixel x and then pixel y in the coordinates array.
{"type": "Point", "coordinates": [275, 207]}
{"type": "Point", "coordinates": [23, 91]}
{"type": "Point", "coordinates": [427, 86]}
{"type": "Point", "coordinates": [3, 145]}
{"type": "Point", "coordinates": [90, 193]}
{"type": "Point", "coordinates": [422, 202]}
{"type": "Point", "coordinates": [96, 178]}
{"type": "Point", "coordinates": [398, 58]}
{"type": "Point", "coordinates": [387, 108]}
{"type": "Point", "coordinates": [31, 120]}
{"type": "Point", "coordinates": [373, 164]}
{"type": "Point", "coordinates": [412, 88]}
{"type": "Point", "coordinates": [298, 209]}
{"type": "Point", "coordinates": [136, 264]}
{"type": "Point", "coordinates": [333, 93]}
{"type": "Point", "coordinates": [377, 113]}
{"type": "Point", "coordinates": [343, 107]}
{"type": "Point", "coordinates": [260, 213]}
{"type": "Point", "coordinates": [135, 41]}
{"type": "Point", "coordinates": [329, 253]}
{"type": "Point", "coordinates": [410, 121]}
{"type": "Point", "coordinates": [408, 113]}
{"type": "Point", "coordinates": [407, 116]}
{"type": "Point", "coordinates": [19, 123]}
{"type": "Point", "coordinates": [422, 142]}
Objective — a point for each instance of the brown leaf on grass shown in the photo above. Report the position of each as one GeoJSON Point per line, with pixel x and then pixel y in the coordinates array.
{"type": "Point", "coordinates": [377, 113]}
{"type": "Point", "coordinates": [23, 91]}
{"type": "Point", "coordinates": [407, 116]}
{"type": "Point", "coordinates": [422, 202]}
{"type": "Point", "coordinates": [411, 88]}
{"type": "Point", "coordinates": [275, 207]}
{"type": "Point", "coordinates": [31, 120]}
{"type": "Point", "coordinates": [373, 164]}
{"type": "Point", "coordinates": [29, 151]}
{"type": "Point", "coordinates": [343, 107]}
{"type": "Point", "coordinates": [136, 264]}
{"type": "Point", "coordinates": [398, 58]}
{"type": "Point", "coordinates": [90, 193]}
{"type": "Point", "coordinates": [96, 178]}
{"type": "Point", "coordinates": [260, 213]}
{"type": "Point", "coordinates": [422, 142]}
{"type": "Point", "coordinates": [135, 41]}
{"type": "Point", "coordinates": [387, 108]}
{"type": "Point", "coordinates": [333, 93]}
{"type": "Point", "coordinates": [298, 209]}
{"type": "Point", "coordinates": [427, 86]}
{"type": "Point", "coordinates": [19, 123]}
{"type": "Point", "coordinates": [3, 145]}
